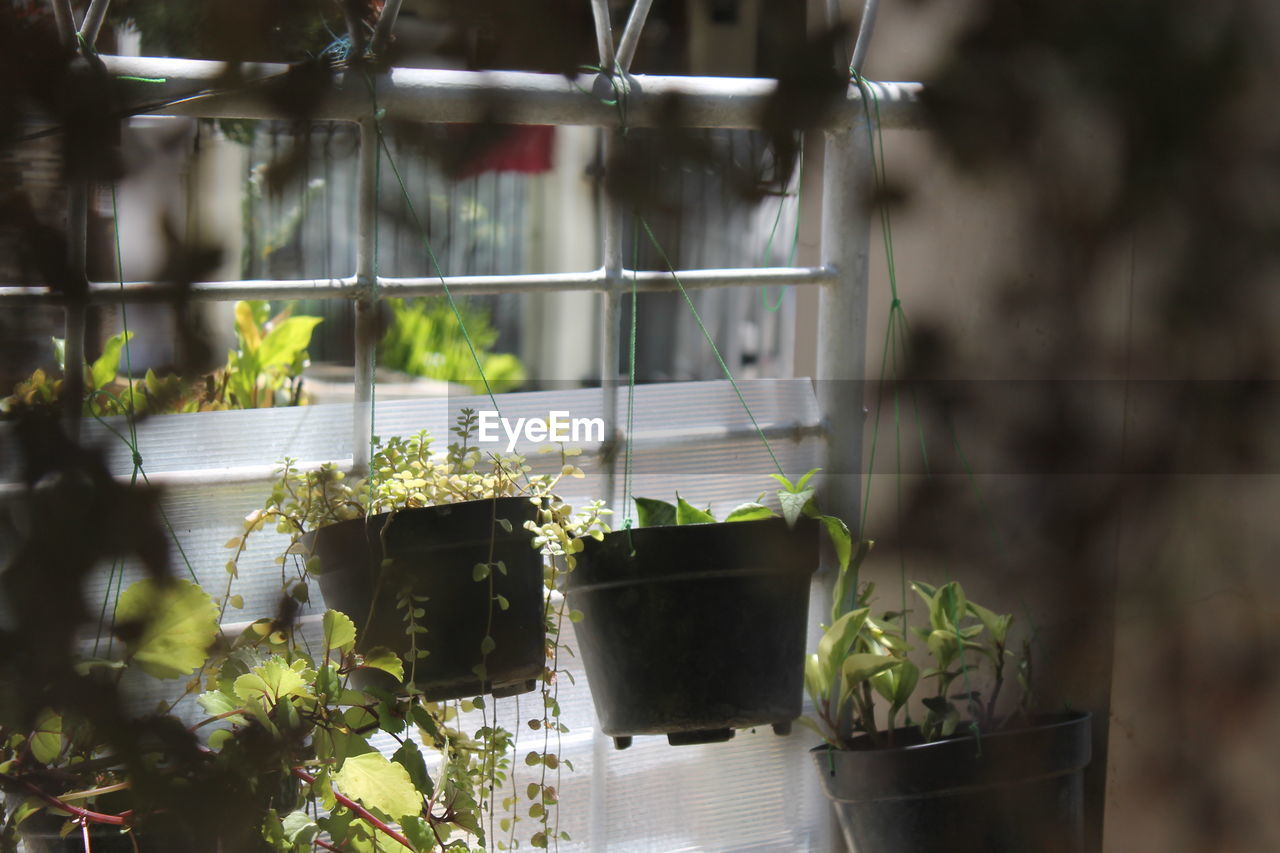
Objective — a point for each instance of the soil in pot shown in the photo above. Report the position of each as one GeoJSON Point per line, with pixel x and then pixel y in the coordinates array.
{"type": "Point", "coordinates": [433, 552]}
{"type": "Point", "coordinates": [1006, 792]}
{"type": "Point", "coordinates": [693, 631]}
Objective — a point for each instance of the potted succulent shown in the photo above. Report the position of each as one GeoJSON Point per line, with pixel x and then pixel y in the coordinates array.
{"type": "Point", "coordinates": [693, 627]}
{"type": "Point", "coordinates": [438, 558]}
{"type": "Point", "coordinates": [970, 775]}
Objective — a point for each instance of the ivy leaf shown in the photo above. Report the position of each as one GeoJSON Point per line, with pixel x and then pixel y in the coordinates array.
{"type": "Point", "coordinates": [299, 829]}
{"type": "Point", "coordinates": [339, 631]}
{"type": "Point", "coordinates": [180, 623]}
{"type": "Point", "coordinates": [379, 784]}
{"type": "Point", "coordinates": [655, 513]}
{"type": "Point", "coordinates": [381, 657]}
{"type": "Point", "coordinates": [749, 512]}
{"type": "Point", "coordinates": [687, 513]}
{"type": "Point", "coordinates": [46, 738]}
{"type": "Point", "coordinates": [217, 703]}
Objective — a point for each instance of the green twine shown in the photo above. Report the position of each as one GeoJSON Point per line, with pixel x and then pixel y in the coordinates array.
{"type": "Point", "coordinates": [795, 237]}
{"type": "Point", "coordinates": [706, 334]}
{"type": "Point", "coordinates": [628, 500]}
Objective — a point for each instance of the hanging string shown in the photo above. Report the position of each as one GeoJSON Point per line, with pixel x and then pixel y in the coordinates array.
{"type": "Point", "coordinates": [706, 334]}
{"type": "Point", "coordinates": [795, 236]}
{"type": "Point", "coordinates": [628, 499]}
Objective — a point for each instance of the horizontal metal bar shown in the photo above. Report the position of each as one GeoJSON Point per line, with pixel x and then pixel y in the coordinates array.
{"type": "Point", "coordinates": [673, 438]}
{"type": "Point", "coordinates": [203, 88]}
{"type": "Point", "coordinates": [648, 281]}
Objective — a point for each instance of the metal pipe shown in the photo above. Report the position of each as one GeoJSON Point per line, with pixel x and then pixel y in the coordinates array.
{"type": "Point", "coordinates": [610, 318]}
{"type": "Point", "coordinates": [93, 21]}
{"type": "Point", "coordinates": [842, 334]}
{"type": "Point", "coordinates": [64, 20]}
{"type": "Point", "coordinates": [631, 35]}
{"type": "Point", "coordinates": [386, 22]}
{"type": "Point", "coordinates": [604, 33]}
{"type": "Point", "coordinates": [865, 31]}
{"type": "Point", "coordinates": [75, 306]}
{"type": "Point", "coordinates": [647, 281]}
{"type": "Point", "coordinates": [193, 87]}
{"type": "Point", "coordinates": [366, 309]}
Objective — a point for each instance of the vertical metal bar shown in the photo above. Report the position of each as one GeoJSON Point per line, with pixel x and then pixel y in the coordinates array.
{"type": "Point", "coordinates": [93, 21]}
{"type": "Point", "coordinates": [610, 318]}
{"type": "Point", "coordinates": [74, 329]}
{"type": "Point", "coordinates": [386, 21]}
{"type": "Point", "coordinates": [865, 30]}
{"type": "Point", "coordinates": [631, 35]}
{"type": "Point", "coordinates": [604, 33]}
{"type": "Point", "coordinates": [842, 335]}
{"type": "Point", "coordinates": [65, 21]}
{"type": "Point", "coordinates": [366, 325]}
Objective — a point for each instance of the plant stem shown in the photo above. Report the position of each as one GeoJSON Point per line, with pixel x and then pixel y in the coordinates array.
{"type": "Point", "coordinates": [363, 813]}
{"type": "Point", "coordinates": [84, 814]}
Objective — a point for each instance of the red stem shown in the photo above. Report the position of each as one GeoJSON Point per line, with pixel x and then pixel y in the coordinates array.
{"type": "Point", "coordinates": [360, 810]}
{"type": "Point", "coordinates": [83, 814]}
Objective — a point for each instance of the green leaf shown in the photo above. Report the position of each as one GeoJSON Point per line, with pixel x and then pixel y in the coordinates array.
{"type": "Point", "coordinates": [859, 667]}
{"type": "Point", "coordinates": [997, 624]}
{"type": "Point", "coordinates": [420, 834]}
{"type": "Point", "coordinates": [381, 657]}
{"type": "Point", "coordinates": [247, 326]}
{"type": "Point", "coordinates": [837, 641]}
{"type": "Point", "coordinates": [299, 829]}
{"type": "Point", "coordinates": [46, 738]}
{"type": "Point", "coordinates": [793, 504]}
{"type": "Point", "coordinates": [379, 784]}
{"type": "Point", "coordinates": [841, 539]}
{"type": "Point", "coordinates": [283, 343]}
{"type": "Point", "coordinates": [896, 684]}
{"type": "Point", "coordinates": [654, 513]}
{"type": "Point", "coordinates": [217, 703]}
{"type": "Point", "coordinates": [487, 645]}
{"type": "Point", "coordinates": [687, 513]}
{"type": "Point", "coordinates": [750, 512]}
{"type": "Point", "coordinates": [273, 680]}
{"type": "Point", "coordinates": [106, 366]}
{"type": "Point", "coordinates": [60, 353]}
{"type": "Point", "coordinates": [804, 480]}
{"type": "Point", "coordinates": [410, 757]}
{"type": "Point", "coordinates": [180, 623]}
{"type": "Point", "coordinates": [339, 631]}
{"type": "Point", "coordinates": [480, 571]}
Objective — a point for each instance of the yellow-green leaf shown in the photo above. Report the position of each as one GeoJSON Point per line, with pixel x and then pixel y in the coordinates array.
{"type": "Point", "coordinates": [273, 680]}
{"type": "Point", "coordinates": [339, 631]}
{"type": "Point", "coordinates": [46, 738]}
{"type": "Point", "coordinates": [180, 623]}
{"type": "Point", "coordinates": [380, 657]}
{"type": "Point", "coordinates": [379, 784]}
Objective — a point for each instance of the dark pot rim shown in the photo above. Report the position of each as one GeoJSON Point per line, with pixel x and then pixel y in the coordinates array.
{"type": "Point", "coordinates": [378, 521]}
{"type": "Point", "coordinates": [580, 579]}
{"type": "Point", "coordinates": [960, 763]}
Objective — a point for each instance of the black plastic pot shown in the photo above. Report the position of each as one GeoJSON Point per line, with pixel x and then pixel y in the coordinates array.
{"type": "Point", "coordinates": [1007, 792]}
{"type": "Point", "coordinates": [696, 630]}
{"type": "Point", "coordinates": [433, 551]}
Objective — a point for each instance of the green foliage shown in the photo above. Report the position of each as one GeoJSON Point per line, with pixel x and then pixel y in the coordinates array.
{"type": "Point", "coordinates": [427, 339]}
{"type": "Point", "coordinates": [860, 657]}
{"type": "Point", "coordinates": [407, 472]}
{"type": "Point", "coordinates": [264, 370]}
{"type": "Point", "coordinates": [179, 622]}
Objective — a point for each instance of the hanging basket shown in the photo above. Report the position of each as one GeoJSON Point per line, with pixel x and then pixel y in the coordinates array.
{"type": "Point", "coordinates": [1006, 792]}
{"type": "Point", "coordinates": [693, 631]}
{"type": "Point", "coordinates": [433, 552]}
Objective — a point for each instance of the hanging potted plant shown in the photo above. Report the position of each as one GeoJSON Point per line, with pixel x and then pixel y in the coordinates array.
{"type": "Point", "coordinates": [970, 775]}
{"type": "Point", "coordinates": [437, 558]}
{"type": "Point", "coordinates": [693, 627]}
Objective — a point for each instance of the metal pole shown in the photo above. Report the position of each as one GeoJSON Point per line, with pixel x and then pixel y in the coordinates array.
{"type": "Point", "coordinates": [842, 336]}
{"type": "Point", "coordinates": [386, 22]}
{"type": "Point", "coordinates": [631, 35]}
{"type": "Point", "coordinates": [73, 332]}
{"type": "Point", "coordinates": [65, 21]}
{"type": "Point", "coordinates": [604, 33]}
{"type": "Point", "coordinates": [93, 21]}
{"type": "Point", "coordinates": [865, 31]}
{"type": "Point", "coordinates": [366, 331]}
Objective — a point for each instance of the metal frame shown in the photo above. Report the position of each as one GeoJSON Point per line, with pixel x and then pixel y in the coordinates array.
{"type": "Point", "coordinates": [191, 88]}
